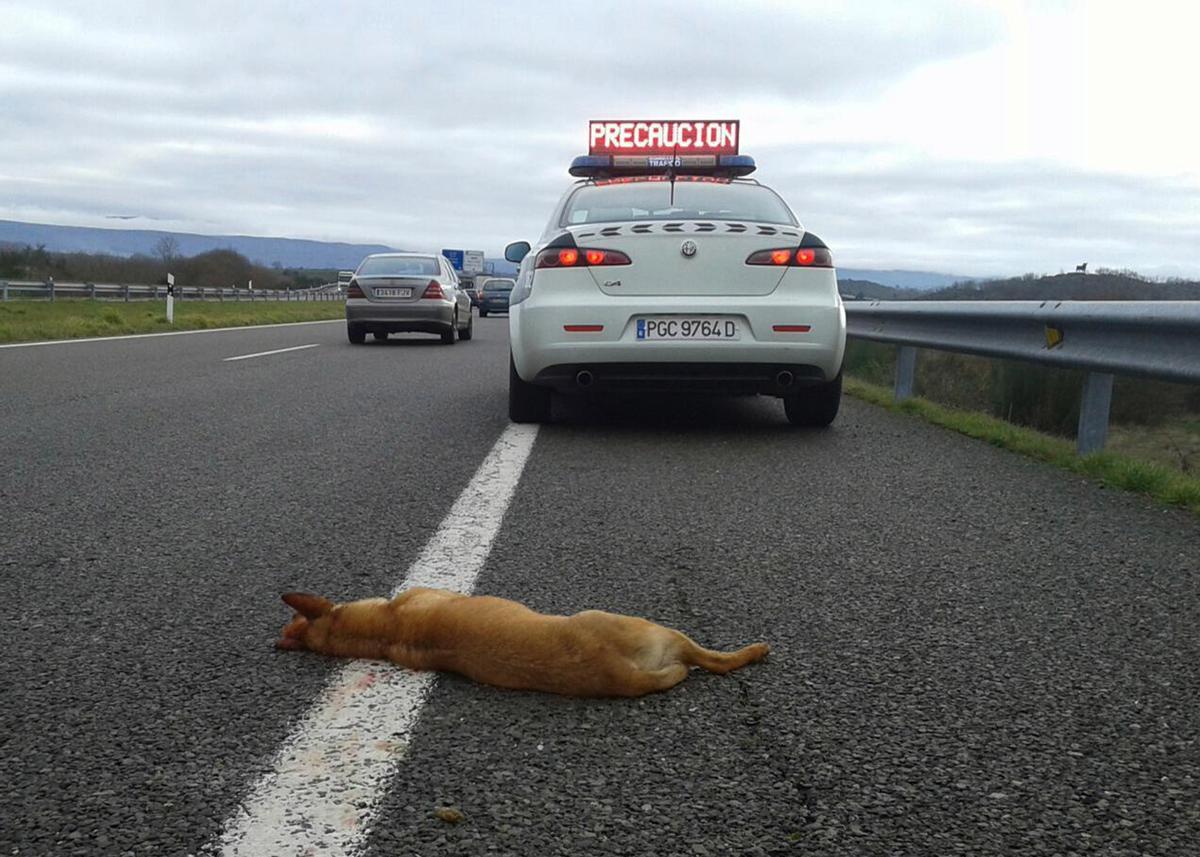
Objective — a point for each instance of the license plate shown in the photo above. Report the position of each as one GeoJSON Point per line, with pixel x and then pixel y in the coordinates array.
{"type": "Point", "coordinates": [393, 293]}
{"type": "Point", "coordinates": [681, 327]}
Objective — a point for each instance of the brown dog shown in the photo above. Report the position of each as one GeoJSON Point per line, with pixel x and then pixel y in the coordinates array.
{"type": "Point", "coordinates": [505, 644]}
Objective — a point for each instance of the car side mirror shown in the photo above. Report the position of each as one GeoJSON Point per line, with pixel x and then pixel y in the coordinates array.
{"type": "Point", "coordinates": [516, 251]}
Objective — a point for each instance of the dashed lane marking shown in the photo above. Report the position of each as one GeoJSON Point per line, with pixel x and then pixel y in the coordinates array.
{"type": "Point", "coordinates": [327, 781]}
{"type": "Point", "coordinates": [266, 353]}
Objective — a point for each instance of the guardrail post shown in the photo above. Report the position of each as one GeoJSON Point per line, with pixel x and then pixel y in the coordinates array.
{"type": "Point", "coordinates": [50, 288]}
{"type": "Point", "coordinates": [91, 290]}
{"type": "Point", "coordinates": [1093, 413]}
{"type": "Point", "coordinates": [202, 293]}
{"type": "Point", "coordinates": [906, 372]}
{"type": "Point", "coordinates": [127, 293]}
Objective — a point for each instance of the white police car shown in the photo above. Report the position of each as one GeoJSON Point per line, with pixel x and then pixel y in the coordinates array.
{"type": "Point", "coordinates": [673, 273]}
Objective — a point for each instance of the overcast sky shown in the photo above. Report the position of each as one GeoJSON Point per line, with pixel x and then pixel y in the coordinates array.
{"type": "Point", "coordinates": [968, 138]}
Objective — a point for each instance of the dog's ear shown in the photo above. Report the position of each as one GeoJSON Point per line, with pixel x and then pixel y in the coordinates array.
{"type": "Point", "coordinates": [308, 605]}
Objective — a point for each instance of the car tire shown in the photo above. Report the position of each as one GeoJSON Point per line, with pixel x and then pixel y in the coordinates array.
{"type": "Point", "coordinates": [380, 335]}
{"type": "Point", "coordinates": [482, 312]}
{"type": "Point", "coordinates": [816, 406]}
{"type": "Point", "coordinates": [527, 403]}
{"type": "Point", "coordinates": [448, 336]}
{"type": "Point", "coordinates": [356, 334]}
{"type": "Point", "coordinates": [466, 333]}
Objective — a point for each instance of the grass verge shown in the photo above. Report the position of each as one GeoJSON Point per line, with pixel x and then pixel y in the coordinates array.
{"type": "Point", "coordinates": [34, 321]}
{"type": "Point", "coordinates": [1108, 468]}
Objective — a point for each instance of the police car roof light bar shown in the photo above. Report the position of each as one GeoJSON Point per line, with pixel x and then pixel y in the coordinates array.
{"type": "Point", "coordinates": [609, 166]}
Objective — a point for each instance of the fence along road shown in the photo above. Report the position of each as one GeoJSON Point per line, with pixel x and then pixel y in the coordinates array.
{"type": "Point", "coordinates": [1150, 339]}
{"type": "Point", "coordinates": [970, 652]}
{"type": "Point", "coordinates": [49, 290]}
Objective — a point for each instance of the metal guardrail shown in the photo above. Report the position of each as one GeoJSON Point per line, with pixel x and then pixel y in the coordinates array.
{"type": "Point", "coordinates": [49, 290]}
{"type": "Point", "coordinates": [1150, 339]}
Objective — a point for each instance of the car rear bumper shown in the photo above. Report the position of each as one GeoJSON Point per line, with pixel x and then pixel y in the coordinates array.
{"type": "Point", "coordinates": [770, 379]}
{"type": "Point", "coordinates": [430, 316]}
{"type": "Point", "coordinates": [543, 351]}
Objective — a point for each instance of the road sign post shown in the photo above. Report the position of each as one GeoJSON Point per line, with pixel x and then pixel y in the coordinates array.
{"type": "Point", "coordinates": [170, 298]}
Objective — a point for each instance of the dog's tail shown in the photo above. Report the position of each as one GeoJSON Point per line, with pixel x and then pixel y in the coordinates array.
{"type": "Point", "coordinates": [723, 662]}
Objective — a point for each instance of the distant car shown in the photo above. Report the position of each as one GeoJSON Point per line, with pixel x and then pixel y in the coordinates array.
{"type": "Point", "coordinates": [407, 292]}
{"type": "Point", "coordinates": [472, 288]}
{"type": "Point", "coordinates": [494, 297]}
{"type": "Point", "coordinates": [343, 280]}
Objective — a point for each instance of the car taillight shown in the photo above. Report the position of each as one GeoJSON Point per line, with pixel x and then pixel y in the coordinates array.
{"type": "Point", "coordinates": [354, 291]}
{"type": "Point", "coordinates": [795, 257]}
{"type": "Point", "coordinates": [433, 291]}
{"type": "Point", "coordinates": [582, 257]}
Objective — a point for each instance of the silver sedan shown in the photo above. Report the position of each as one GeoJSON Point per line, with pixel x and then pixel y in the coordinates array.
{"type": "Point", "coordinates": [407, 292]}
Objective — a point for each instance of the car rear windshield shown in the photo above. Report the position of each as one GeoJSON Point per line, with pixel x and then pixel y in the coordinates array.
{"type": "Point", "coordinates": [399, 266]}
{"type": "Point", "coordinates": [691, 200]}
{"type": "Point", "coordinates": [498, 286]}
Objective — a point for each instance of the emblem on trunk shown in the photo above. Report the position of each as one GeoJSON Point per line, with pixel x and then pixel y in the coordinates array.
{"type": "Point", "coordinates": [688, 248]}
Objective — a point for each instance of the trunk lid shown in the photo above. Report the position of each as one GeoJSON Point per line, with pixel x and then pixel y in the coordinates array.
{"type": "Point", "coordinates": [661, 266]}
{"type": "Point", "coordinates": [372, 285]}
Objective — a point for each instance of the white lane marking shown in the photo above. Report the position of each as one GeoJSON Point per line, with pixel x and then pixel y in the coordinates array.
{"type": "Point", "coordinates": [167, 333]}
{"type": "Point", "coordinates": [328, 780]}
{"type": "Point", "coordinates": [265, 353]}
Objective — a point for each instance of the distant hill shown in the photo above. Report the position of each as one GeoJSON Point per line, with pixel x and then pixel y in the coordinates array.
{"type": "Point", "coordinates": [287, 252]}
{"type": "Point", "coordinates": [1104, 285]}
{"type": "Point", "coordinates": [866, 290]}
{"type": "Point", "coordinates": [284, 252]}
{"type": "Point", "coordinates": [902, 279]}
{"type": "Point", "coordinates": [303, 253]}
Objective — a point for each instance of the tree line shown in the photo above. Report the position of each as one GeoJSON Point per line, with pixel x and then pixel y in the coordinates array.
{"type": "Point", "coordinates": [213, 269]}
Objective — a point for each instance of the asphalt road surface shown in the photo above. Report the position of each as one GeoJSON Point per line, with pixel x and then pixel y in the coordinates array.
{"type": "Point", "coordinates": [971, 653]}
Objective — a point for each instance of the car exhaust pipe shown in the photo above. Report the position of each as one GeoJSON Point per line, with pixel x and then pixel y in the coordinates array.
{"type": "Point", "coordinates": [583, 379]}
{"type": "Point", "coordinates": [784, 378]}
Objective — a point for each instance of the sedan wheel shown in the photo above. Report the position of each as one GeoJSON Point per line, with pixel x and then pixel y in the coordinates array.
{"type": "Point", "coordinates": [450, 335]}
{"type": "Point", "coordinates": [814, 406]}
{"type": "Point", "coordinates": [527, 403]}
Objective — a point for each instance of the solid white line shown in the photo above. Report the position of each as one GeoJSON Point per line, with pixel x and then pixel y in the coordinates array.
{"type": "Point", "coordinates": [276, 351]}
{"type": "Point", "coordinates": [167, 333]}
{"type": "Point", "coordinates": [332, 772]}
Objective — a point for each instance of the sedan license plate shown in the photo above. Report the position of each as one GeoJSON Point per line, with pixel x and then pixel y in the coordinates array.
{"type": "Point", "coordinates": [393, 293]}
{"type": "Point", "coordinates": [680, 327]}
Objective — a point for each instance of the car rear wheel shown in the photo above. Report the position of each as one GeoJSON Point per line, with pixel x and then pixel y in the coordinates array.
{"type": "Point", "coordinates": [814, 406]}
{"type": "Point", "coordinates": [482, 312]}
{"type": "Point", "coordinates": [466, 333]}
{"type": "Point", "coordinates": [448, 336]}
{"type": "Point", "coordinates": [356, 334]}
{"type": "Point", "coordinates": [527, 403]}
{"type": "Point", "coordinates": [380, 335]}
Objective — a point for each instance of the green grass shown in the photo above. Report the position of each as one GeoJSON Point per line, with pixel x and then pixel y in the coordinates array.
{"type": "Point", "coordinates": [1111, 469]}
{"type": "Point", "coordinates": [34, 321]}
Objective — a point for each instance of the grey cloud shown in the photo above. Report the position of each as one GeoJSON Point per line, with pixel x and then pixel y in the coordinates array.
{"type": "Point", "coordinates": [181, 112]}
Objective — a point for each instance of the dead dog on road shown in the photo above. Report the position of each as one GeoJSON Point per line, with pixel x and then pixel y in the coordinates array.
{"type": "Point", "coordinates": [502, 643]}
